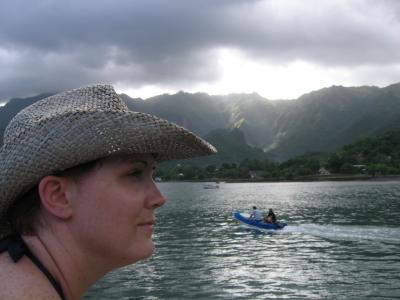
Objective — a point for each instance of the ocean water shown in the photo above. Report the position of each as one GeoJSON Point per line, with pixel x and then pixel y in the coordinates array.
{"type": "Point", "coordinates": [342, 242]}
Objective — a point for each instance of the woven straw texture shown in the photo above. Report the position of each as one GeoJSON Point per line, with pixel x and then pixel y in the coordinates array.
{"type": "Point", "coordinates": [79, 126]}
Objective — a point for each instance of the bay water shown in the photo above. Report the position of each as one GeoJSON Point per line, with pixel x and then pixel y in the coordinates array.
{"type": "Point", "coordinates": [342, 242]}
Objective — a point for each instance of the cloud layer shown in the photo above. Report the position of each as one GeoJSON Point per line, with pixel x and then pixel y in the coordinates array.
{"type": "Point", "coordinates": [54, 45]}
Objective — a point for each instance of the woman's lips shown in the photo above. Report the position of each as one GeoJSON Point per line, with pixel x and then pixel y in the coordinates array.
{"type": "Point", "coordinates": [149, 226]}
{"type": "Point", "coordinates": [151, 222]}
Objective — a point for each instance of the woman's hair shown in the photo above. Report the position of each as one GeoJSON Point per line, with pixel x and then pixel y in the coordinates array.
{"type": "Point", "coordinates": [24, 213]}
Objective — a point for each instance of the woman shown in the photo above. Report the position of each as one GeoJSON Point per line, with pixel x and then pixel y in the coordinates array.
{"type": "Point", "coordinates": [270, 217]}
{"type": "Point", "coordinates": [77, 198]}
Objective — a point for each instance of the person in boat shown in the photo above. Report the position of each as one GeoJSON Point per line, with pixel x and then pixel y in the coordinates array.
{"type": "Point", "coordinates": [256, 214]}
{"type": "Point", "coordinates": [77, 195]}
{"type": "Point", "coordinates": [270, 217]}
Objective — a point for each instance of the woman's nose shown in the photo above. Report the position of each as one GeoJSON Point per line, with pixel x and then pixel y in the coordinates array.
{"type": "Point", "coordinates": [156, 198]}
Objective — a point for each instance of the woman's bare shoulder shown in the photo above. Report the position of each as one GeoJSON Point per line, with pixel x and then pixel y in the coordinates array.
{"type": "Point", "coordinates": [22, 281]}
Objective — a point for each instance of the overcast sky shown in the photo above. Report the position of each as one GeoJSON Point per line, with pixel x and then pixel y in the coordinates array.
{"type": "Point", "coordinates": [280, 49]}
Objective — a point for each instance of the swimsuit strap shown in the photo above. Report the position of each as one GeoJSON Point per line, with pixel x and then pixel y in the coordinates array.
{"type": "Point", "coordinates": [16, 248]}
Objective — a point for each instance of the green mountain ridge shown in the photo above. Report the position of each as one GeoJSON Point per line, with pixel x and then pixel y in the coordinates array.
{"type": "Point", "coordinates": [320, 121]}
{"type": "Point", "coordinates": [368, 158]}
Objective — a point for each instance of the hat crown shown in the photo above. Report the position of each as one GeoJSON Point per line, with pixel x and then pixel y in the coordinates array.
{"type": "Point", "coordinates": [86, 99]}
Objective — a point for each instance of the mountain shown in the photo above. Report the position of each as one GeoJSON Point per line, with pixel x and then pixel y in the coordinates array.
{"type": "Point", "coordinates": [197, 112]}
{"type": "Point", "coordinates": [232, 147]}
{"type": "Point", "coordinates": [380, 152]}
{"type": "Point", "coordinates": [202, 113]}
{"type": "Point", "coordinates": [12, 107]}
{"type": "Point", "coordinates": [320, 121]}
{"type": "Point", "coordinates": [330, 118]}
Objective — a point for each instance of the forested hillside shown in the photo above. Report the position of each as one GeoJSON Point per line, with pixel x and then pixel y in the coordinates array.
{"type": "Point", "coordinates": [369, 157]}
{"type": "Point", "coordinates": [320, 121]}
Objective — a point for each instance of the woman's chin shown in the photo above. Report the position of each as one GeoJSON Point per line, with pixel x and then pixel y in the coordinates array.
{"type": "Point", "coordinates": [143, 251]}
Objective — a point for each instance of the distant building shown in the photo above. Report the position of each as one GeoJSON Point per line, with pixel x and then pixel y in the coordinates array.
{"type": "Point", "coordinates": [323, 172]}
{"type": "Point", "coordinates": [361, 168]}
{"type": "Point", "coordinates": [255, 174]}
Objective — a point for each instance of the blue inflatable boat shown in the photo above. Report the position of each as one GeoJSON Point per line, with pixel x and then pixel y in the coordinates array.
{"type": "Point", "coordinates": [244, 218]}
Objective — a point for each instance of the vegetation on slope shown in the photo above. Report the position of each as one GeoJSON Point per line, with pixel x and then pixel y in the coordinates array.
{"type": "Point", "coordinates": [369, 157]}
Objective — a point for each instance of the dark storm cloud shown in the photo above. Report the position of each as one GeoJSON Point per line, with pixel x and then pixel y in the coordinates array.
{"type": "Point", "coordinates": [55, 45]}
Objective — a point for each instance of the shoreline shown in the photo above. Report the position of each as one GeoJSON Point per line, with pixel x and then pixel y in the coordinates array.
{"type": "Point", "coordinates": [327, 178]}
{"type": "Point", "coordinates": [301, 179]}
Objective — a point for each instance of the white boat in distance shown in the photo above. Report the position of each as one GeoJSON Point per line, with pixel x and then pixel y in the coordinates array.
{"type": "Point", "coordinates": [211, 186]}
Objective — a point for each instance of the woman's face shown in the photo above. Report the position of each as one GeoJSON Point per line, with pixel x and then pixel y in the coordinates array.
{"type": "Point", "coordinates": [113, 209]}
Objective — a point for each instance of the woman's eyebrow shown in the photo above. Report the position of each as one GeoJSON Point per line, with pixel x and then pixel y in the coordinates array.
{"type": "Point", "coordinates": [132, 163]}
{"type": "Point", "coordinates": [135, 161]}
{"type": "Point", "coordinates": [145, 162]}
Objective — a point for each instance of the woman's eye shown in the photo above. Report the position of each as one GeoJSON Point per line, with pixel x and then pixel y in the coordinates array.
{"type": "Point", "coordinates": [136, 173]}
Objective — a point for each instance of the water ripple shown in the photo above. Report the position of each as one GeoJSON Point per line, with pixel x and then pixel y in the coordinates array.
{"type": "Point", "coordinates": [342, 242]}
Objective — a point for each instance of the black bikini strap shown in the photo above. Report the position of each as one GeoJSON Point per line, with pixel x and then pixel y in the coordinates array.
{"type": "Point", "coordinates": [16, 248]}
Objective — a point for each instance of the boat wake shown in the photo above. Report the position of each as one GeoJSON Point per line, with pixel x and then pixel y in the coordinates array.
{"type": "Point", "coordinates": [347, 232]}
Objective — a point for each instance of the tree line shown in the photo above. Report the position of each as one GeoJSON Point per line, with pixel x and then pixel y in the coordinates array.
{"type": "Point", "coordinates": [373, 156]}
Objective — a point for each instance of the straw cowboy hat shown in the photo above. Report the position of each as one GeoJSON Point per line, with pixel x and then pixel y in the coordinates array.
{"type": "Point", "coordinates": [78, 126]}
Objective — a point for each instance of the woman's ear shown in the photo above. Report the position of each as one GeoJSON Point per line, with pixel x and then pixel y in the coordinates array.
{"type": "Point", "coordinates": [54, 196]}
